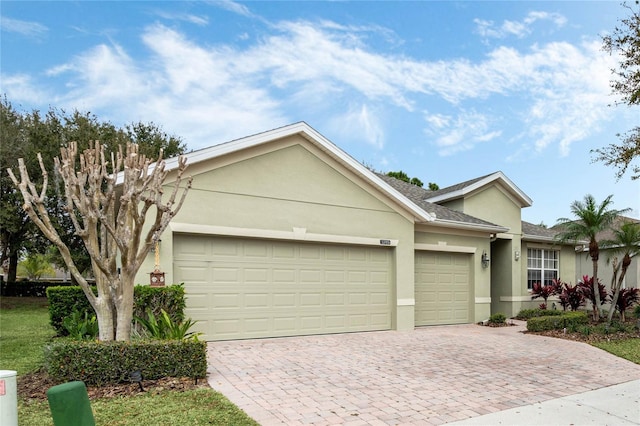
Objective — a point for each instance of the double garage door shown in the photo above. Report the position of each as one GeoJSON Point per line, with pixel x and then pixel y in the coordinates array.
{"type": "Point", "coordinates": [246, 288]}
{"type": "Point", "coordinates": [442, 288]}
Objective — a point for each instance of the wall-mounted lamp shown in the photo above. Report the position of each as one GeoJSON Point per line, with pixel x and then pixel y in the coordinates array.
{"type": "Point", "coordinates": [516, 255]}
{"type": "Point", "coordinates": [484, 259]}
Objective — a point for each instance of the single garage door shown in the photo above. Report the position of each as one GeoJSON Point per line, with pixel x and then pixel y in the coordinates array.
{"type": "Point", "coordinates": [240, 288]}
{"type": "Point", "coordinates": [442, 287]}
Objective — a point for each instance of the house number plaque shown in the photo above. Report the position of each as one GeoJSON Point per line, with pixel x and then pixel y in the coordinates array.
{"type": "Point", "coordinates": [385, 242]}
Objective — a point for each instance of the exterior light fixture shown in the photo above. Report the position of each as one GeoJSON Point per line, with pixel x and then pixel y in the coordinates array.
{"type": "Point", "coordinates": [516, 255]}
{"type": "Point", "coordinates": [484, 259]}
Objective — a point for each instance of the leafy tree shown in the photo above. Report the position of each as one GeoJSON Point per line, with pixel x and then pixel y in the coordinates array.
{"type": "Point", "coordinates": [400, 175]}
{"type": "Point", "coordinates": [22, 135]}
{"type": "Point", "coordinates": [35, 265]}
{"type": "Point", "coordinates": [625, 241]}
{"type": "Point", "coordinates": [625, 41]}
{"type": "Point", "coordinates": [590, 219]}
{"type": "Point", "coordinates": [107, 199]}
{"type": "Point", "coordinates": [433, 186]}
{"type": "Point", "coordinates": [628, 297]}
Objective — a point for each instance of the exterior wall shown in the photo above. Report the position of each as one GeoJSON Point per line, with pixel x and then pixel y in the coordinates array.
{"type": "Point", "coordinates": [494, 205]}
{"type": "Point", "coordinates": [502, 282]}
{"type": "Point", "coordinates": [443, 240]}
{"type": "Point", "coordinates": [567, 272]}
{"type": "Point", "coordinates": [290, 187]}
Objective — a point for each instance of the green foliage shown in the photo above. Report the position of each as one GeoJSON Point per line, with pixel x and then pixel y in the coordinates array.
{"type": "Point", "coordinates": [63, 301]}
{"type": "Point", "coordinates": [626, 348]}
{"type": "Point", "coordinates": [526, 314]}
{"type": "Point", "coordinates": [98, 363]}
{"type": "Point", "coordinates": [636, 311]}
{"type": "Point", "coordinates": [498, 318]}
{"type": "Point", "coordinates": [569, 320]}
{"type": "Point", "coordinates": [400, 175]}
{"type": "Point", "coordinates": [81, 327]}
{"type": "Point", "coordinates": [166, 328]}
{"type": "Point", "coordinates": [35, 265]}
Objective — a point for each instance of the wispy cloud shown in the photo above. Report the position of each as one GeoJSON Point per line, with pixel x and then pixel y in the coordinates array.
{"type": "Point", "coordinates": [26, 28]}
{"type": "Point", "coordinates": [489, 29]}
{"type": "Point", "coordinates": [234, 7]}
{"type": "Point", "coordinates": [211, 93]}
{"type": "Point", "coordinates": [185, 17]}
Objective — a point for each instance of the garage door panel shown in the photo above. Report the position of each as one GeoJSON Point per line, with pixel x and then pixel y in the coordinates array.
{"type": "Point", "coordinates": [442, 288]}
{"type": "Point", "coordinates": [258, 288]}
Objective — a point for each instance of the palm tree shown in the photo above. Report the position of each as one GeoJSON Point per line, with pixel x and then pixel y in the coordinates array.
{"type": "Point", "coordinates": [591, 219]}
{"type": "Point", "coordinates": [626, 242]}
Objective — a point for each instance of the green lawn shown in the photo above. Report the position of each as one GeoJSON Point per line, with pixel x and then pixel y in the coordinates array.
{"type": "Point", "coordinates": [628, 349]}
{"type": "Point", "coordinates": [24, 329]}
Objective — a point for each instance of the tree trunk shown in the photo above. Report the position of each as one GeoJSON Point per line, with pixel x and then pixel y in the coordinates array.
{"type": "Point", "coordinates": [615, 288]}
{"type": "Point", "coordinates": [124, 307]}
{"type": "Point", "coordinates": [105, 317]}
{"type": "Point", "coordinates": [596, 291]}
{"type": "Point", "coordinates": [13, 267]}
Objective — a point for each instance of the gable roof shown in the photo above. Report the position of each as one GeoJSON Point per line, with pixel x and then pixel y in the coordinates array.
{"type": "Point", "coordinates": [462, 189]}
{"type": "Point", "coordinates": [310, 134]}
{"type": "Point", "coordinates": [443, 215]}
{"type": "Point", "coordinates": [531, 232]}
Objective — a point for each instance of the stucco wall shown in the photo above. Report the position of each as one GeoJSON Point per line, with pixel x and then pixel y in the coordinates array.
{"type": "Point", "coordinates": [292, 184]}
{"type": "Point", "coordinates": [451, 239]}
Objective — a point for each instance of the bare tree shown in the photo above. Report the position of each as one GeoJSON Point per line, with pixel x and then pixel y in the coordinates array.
{"type": "Point", "coordinates": [108, 203]}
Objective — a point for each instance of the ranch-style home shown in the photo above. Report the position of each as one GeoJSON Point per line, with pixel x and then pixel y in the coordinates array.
{"type": "Point", "coordinates": [285, 234]}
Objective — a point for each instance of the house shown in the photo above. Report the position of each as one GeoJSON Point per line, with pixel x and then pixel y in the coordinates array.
{"type": "Point", "coordinates": [584, 265]}
{"type": "Point", "coordinates": [283, 234]}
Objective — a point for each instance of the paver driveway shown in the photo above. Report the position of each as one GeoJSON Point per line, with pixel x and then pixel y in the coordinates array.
{"type": "Point", "coordinates": [432, 375]}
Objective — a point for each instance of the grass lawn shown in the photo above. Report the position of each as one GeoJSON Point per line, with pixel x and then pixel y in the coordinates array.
{"type": "Point", "coordinates": [628, 348]}
{"type": "Point", "coordinates": [24, 329]}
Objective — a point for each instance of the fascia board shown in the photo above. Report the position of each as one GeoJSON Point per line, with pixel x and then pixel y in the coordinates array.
{"type": "Point", "coordinates": [471, 226]}
{"type": "Point", "coordinates": [526, 201]}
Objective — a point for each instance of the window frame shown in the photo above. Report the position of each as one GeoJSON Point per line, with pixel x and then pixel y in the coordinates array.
{"type": "Point", "coordinates": [544, 265]}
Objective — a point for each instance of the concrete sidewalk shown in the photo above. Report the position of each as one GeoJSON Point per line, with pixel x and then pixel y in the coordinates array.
{"type": "Point", "coordinates": [612, 405]}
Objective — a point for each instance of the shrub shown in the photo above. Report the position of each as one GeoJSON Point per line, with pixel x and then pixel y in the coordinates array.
{"type": "Point", "coordinates": [636, 311]}
{"type": "Point", "coordinates": [526, 314]}
{"type": "Point", "coordinates": [79, 327]}
{"type": "Point", "coordinates": [63, 301]}
{"type": "Point", "coordinates": [545, 291]}
{"type": "Point", "coordinates": [100, 363]}
{"type": "Point", "coordinates": [569, 320]}
{"type": "Point", "coordinates": [498, 318]}
{"type": "Point", "coordinates": [166, 328]}
{"type": "Point", "coordinates": [627, 298]}
{"type": "Point", "coordinates": [588, 290]}
{"type": "Point", "coordinates": [571, 296]}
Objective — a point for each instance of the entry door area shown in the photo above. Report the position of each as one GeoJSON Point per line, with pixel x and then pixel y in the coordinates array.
{"type": "Point", "coordinates": [239, 288]}
{"type": "Point", "coordinates": [442, 288]}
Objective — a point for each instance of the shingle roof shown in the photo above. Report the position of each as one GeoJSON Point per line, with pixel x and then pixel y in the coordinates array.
{"type": "Point", "coordinates": [532, 231]}
{"type": "Point", "coordinates": [417, 195]}
{"type": "Point", "coordinates": [457, 186]}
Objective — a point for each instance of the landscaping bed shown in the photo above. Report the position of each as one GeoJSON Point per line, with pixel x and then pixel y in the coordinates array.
{"type": "Point", "coordinates": [34, 385]}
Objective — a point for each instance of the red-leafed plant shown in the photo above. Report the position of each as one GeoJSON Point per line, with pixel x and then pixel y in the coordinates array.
{"type": "Point", "coordinates": [571, 296]}
{"type": "Point", "coordinates": [588, 290]}
{"type": "Point", "coordinates": [627, 298]}
{"type": "Point", "coordinates": [545, 291]}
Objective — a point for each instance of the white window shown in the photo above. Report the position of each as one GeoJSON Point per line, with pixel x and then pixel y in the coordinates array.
{"type": "Point", "coordinates": [542, 266]}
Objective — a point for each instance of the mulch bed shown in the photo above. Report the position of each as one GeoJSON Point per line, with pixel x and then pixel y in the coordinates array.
{"type": "Point", "coordinates": [34, 386]}
{"type": "Point", "coordinates": [586, 338]}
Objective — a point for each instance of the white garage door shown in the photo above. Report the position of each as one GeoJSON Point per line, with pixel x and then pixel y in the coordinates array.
{"type": "Point", "coordinates": [442, 287]}
{"type": "Point", "coordinates": [246, 288]}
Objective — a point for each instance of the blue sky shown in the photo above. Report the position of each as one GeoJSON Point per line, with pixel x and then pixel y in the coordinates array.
{"type": "Point", "coordinates": [445, 91]}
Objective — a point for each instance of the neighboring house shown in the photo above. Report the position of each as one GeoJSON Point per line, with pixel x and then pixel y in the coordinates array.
{"type": "Point", "coordinates": [285, 234]}
{"type": "Point", "coordinates": [584, 265]}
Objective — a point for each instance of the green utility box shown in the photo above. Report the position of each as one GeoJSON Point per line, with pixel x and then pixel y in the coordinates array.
{"type": "Point", "coordinates": [70, 406]}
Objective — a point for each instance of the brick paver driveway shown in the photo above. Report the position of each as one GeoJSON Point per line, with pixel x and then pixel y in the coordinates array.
{"type": "Point", "coordinates": [432, 375]}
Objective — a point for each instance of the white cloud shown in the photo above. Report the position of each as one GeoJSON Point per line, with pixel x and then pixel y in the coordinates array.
{"type": "Point", "coordinates": [186, 17]}
{"type": "Point", "coordinates": [360, 123]}
{"type": "Point", "coordinates": [210, 93]}
{"type": "Point", "coordinates": [26, 28]}
{"type": "Point", "coordinates": [488, 29]}
{"type": "Point", "coordinates": [463, 132]}
{"type": "Point", "coordinates": [234, 7]}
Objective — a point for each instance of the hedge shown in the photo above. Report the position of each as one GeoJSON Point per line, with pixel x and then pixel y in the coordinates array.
{"type": "Point", "coordinates": [525, 314]}
{"type": "Point", "coordinates": [28, 288]}
{"type": "Point", "coordinates": [569, 320]}
{"type": "Point", "coordinates": [99, 363]}
{"type": "Point", "coordinates": [64, 300]}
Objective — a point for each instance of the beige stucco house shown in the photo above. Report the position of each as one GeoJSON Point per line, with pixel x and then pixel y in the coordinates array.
{"type": "Point", "coordinates": [283, 233]}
